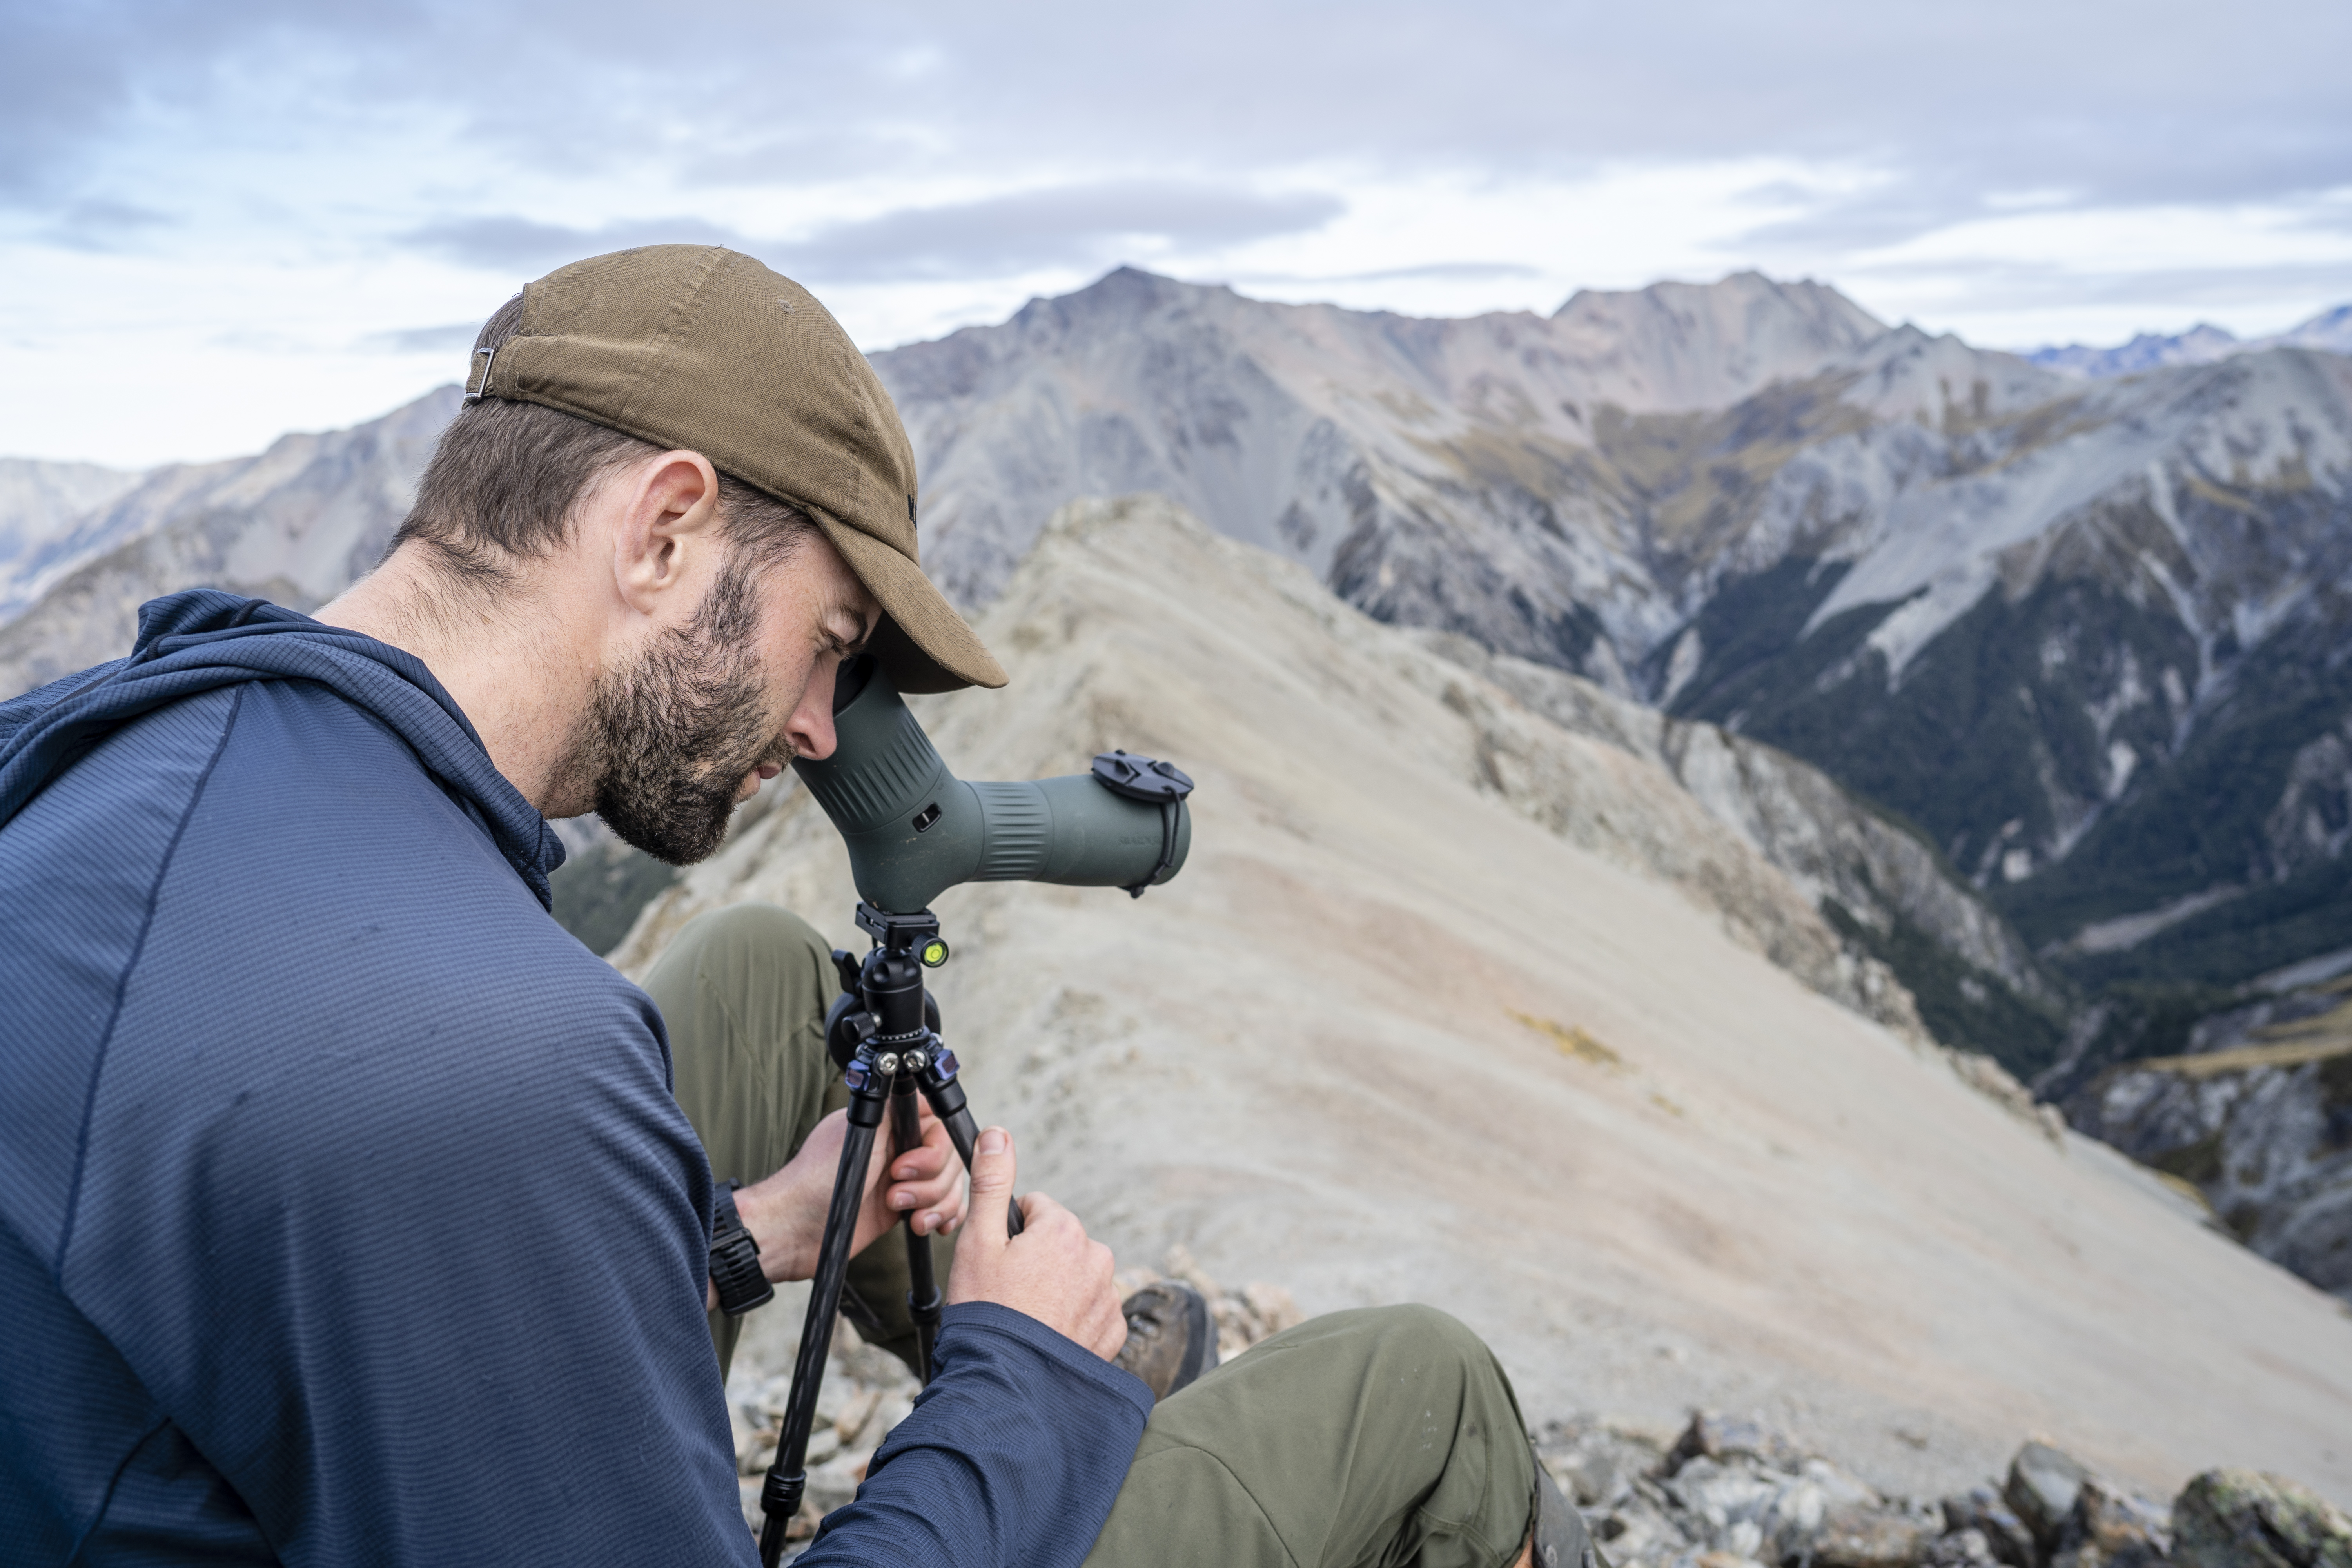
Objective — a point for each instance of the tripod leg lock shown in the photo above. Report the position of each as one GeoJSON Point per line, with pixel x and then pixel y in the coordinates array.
{"type": "Point", "coordinates": [779, 1502]}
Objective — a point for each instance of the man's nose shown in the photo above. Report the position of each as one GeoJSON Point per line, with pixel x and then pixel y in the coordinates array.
{"type": "Point", "coordinates": [811, 731]}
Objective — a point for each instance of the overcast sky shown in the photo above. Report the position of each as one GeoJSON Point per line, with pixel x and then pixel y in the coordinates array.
{"type": "Point", "coordinates": [222, 219]}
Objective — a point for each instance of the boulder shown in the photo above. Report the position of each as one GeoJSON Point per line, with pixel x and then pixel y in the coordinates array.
{"type": "Point", "coordinates": [1965, 1548]}
{"type": "Point", "coordinates": [1855, 1537]}
{"type": "Point", "coordinates": [2245, 1519]}
{"type": "Point", "coordinates": [2043, 1485]}
{"type": "Point", "coordinates": [2112, 1529]}
{"type": "Point", "coordinates": [1983, 1511]}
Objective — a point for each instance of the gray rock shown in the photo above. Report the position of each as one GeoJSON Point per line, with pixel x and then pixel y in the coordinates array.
{"type": "Point", "coordinates": [1871, 1538]}
{"type": "Point", "coordinates": [2245, 1519]}
{"type": "Point", "coordinates": [1982, 1511]}
{"type": "Point", "coordinates": [2112, 1529]}
{"type": "Point", "coordinates": [2043, 1485]}
{"type": "Point", "coordinates": [1965, 1548]}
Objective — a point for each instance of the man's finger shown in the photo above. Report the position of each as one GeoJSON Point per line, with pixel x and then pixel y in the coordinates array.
{"type": "Point", "coordinates": [992, 1184]}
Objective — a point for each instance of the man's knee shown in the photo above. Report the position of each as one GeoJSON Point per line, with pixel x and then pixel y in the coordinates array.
{"type": "Point", "coordinates": [1409, 1328]}
{"type": "Point", "coordinates": [1426, 1334]}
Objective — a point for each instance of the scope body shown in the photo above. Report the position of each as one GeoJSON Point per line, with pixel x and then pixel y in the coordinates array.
{"type": "Point", "coordinates": [915, 830]}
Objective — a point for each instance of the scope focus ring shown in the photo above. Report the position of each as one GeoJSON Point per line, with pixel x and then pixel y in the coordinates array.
{"type": "Point", "coordinates": [735, 1258]}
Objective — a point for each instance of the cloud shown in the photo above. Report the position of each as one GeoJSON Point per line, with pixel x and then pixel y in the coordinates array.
{"type": "Point", "coordinates": [2024, 288]}
{"type": "Point", "coordinates": [2182, 101]}
{"type": "Point", "coordinates": [1065, 227]}
{"type": "Point", "coordinates": [1441, 271]}
{"type": "Point", "coordinates": [103, 226]}
{"type": "Point", "coordinates": [1082, 226]}
{"type": "Point", "coordinates": [509, 244]}
{"type": "Point", "coordinates": [455, 338]}
{"type": "Point", "coordinates": [73, 77]}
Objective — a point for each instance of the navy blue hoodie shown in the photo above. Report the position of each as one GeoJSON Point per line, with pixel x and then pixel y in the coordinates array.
{"type": "Point", "coordinates": [345, 1211]}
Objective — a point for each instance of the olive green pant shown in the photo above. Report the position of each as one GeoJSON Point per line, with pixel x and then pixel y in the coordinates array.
{"type": "Point", "coordinates": [1365, 1439]}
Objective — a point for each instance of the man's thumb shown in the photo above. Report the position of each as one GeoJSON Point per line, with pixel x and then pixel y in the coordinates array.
{"type": "Point", "coordinates": [992, 1178]}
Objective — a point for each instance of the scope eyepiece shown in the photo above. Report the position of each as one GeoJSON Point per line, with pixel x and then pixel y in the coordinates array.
{"type": "Point", "coordinates": [914, 829]}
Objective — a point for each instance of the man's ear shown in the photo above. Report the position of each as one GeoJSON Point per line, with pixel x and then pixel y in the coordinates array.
{"type": "Point", "coordinates": [668, 516]}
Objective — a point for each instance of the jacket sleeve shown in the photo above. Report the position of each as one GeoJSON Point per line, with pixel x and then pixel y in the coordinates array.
{"type": "Point", "coordinates": [1013, 1454]}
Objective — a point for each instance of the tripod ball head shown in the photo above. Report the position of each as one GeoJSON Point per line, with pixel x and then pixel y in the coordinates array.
{"type": "Point", "coordinates": [915, 830]}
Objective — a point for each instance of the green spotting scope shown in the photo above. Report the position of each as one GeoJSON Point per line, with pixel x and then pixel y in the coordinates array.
{"type": "Point", "coordinates": [915, 830]}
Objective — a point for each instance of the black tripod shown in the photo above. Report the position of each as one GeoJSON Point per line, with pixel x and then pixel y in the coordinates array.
{"type": "Point", "coordinates": [885, 1031]}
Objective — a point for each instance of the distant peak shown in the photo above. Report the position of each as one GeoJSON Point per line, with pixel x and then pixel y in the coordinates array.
{"type": "Point", "coordinates": [1800, 295]}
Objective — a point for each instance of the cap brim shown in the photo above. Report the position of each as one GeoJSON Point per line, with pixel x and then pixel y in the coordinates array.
{"type": "Point", "coordinates": [922, 644]}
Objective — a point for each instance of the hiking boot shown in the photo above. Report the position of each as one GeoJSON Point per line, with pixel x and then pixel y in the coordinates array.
{"type": "Point", "coordinates": [1560, 1539]}
{"type": "Point", "coordinates": [1170, 1339]}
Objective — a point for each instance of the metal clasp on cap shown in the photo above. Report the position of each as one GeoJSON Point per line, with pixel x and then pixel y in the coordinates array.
{"type": "Point", "coordinates": [478, 384]}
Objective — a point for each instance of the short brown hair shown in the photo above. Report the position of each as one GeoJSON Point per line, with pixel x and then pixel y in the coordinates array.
{"type": "Point", "coordinates": [506, 479]}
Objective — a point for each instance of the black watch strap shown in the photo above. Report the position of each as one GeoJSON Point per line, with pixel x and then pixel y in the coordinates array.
{"type": "Point", "coordinates": [735, 1258]}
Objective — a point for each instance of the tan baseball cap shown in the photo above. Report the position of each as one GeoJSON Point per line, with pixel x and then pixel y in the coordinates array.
{"type": "Point", "coordinates": [702, 347]}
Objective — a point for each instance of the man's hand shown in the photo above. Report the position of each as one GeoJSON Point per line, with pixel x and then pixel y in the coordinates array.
{"type": "Point", "coordinates": [785, 1213]}
{"type": "Point", "coordinates": [1050, 1271]}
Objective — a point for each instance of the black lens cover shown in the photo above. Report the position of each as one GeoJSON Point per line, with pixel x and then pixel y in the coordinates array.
{"type": "Point", "coordinates": [1140, 778]}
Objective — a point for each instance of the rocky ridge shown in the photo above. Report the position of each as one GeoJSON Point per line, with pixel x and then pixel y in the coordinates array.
{"type": "Point", "coordinates": [1879, 885]}
{"type": "Point", "coordinates": [1395, 1036]}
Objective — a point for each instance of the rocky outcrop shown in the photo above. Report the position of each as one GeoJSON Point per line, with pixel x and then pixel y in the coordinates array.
{"type": "Point", "coordinates": [1730, 1492]}
{"type": "Point", "coordinates": [2243, 1518]}
{"type": "Point", "coordinates": [2257, 1118]}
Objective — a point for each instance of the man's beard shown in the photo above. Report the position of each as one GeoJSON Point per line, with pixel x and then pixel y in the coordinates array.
{"type": "Point", "coordinates": [669, 740]}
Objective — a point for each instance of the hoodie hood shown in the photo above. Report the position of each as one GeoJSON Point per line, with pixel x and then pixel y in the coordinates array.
{"type": "Point", "coordinates": [202, 639]}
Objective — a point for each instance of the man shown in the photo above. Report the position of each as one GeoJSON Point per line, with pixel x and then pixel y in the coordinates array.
{"type": "Point", "coordinates": [348, 1209]}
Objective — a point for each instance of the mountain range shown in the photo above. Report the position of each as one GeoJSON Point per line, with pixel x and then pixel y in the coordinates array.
{"type": "Point", "coordinates": [2036, 685]}
{"type": "Point", "coordinates": [2080, 636]}
{"type": "Point", "coordinates": [2201, 344]}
